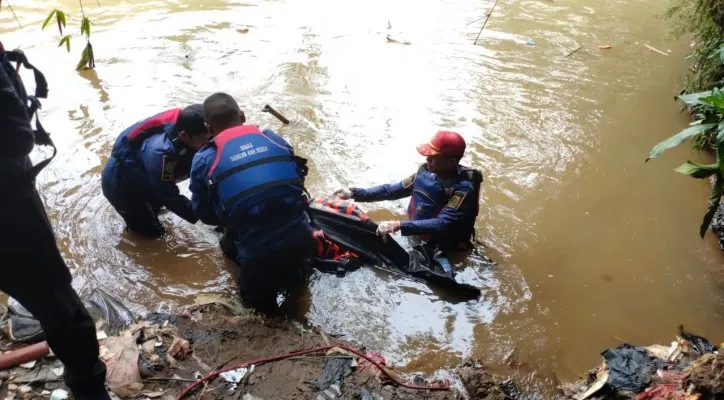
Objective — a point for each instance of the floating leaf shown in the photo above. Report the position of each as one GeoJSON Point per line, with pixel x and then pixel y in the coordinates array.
{"type": "Point", "coordinates": [47, 20]}
{"type": "Point", "coordinates": [65, 40]}
{"type": "Point", "coordinates": [713, 205]}
{"type": "Point", "coordinates": [677, 139]}
{"type": "Point", "coordinates": [697, 170]}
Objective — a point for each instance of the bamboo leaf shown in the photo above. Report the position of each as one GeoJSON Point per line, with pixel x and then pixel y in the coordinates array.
{"type": "Point", "coordinates": [47, 20]}
{"type": "Point", "coordinates": [679, 138]}
{"type": "Point", "coordinates": [83, 60]}
{"type": "Point", "coordinates": [713, 205]}
{"type": "Point", "coordinates": [65, 40]}
{"type": "Point", "coordinates": [60, 19]}
{"type": "Point", "coordinates": [697, 170]}
{"type": "Point", "coordinates": [85, 27]}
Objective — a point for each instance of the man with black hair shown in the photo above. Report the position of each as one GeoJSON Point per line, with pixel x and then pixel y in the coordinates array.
{"type": "Point", "coordinates": [148, 160]}
{"type": "Point", "coordinates": [249, 181]}
{"type": "Point", "coordinates": [32, 269]}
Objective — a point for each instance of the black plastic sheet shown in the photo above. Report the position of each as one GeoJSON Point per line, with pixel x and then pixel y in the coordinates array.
{"type": "Point", "coordinates": [630, 367]}
{"type": "Point", "coordinates": [19, 325]}
{"type": "Point", "coordinates": [356, 232]}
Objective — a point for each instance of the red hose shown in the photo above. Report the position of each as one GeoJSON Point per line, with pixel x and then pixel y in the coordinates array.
{"type": "Point", "coordinates": [212, 375]}
{"type": "Point", "coordinates": [23, 355]}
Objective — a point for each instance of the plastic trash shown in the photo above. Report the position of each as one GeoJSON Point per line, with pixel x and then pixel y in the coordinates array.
{"type": "Point", "coordinates": [630, 367]}
{"type": "Point", "coordinates": [530, 42]}
{"type": "Point", "coordinates": [18, 309]}
{"type": "Point", "coordinates": [121, 358]}
{"type": "Point", "coordinates": [334, 370]}
{"type": "Point", "coordinates": [22, 329]}
{"type": "Point", "coordinates": [698, 344]}
{"type": "Point", "coordinates": [20, 326]}
{"type": "Point", "coordinates": [662, 392]}
{"type": "Point", "coordinates": [59, 394]}
{"type": "Point", "coordinates": [115, 315]}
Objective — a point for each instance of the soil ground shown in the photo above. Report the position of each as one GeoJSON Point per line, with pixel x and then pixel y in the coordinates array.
{"type": "Point", "coordinates": [219, 338]}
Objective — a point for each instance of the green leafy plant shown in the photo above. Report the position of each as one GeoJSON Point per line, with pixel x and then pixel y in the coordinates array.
{"type": "Point", "coordinates": [709, 107]}
{"type": "Point", "coordinates": [87, 59]}
{"type": "Point", "coordinates": [705, 20]}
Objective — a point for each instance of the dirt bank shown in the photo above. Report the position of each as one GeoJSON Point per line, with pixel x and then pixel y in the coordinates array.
{"type": "Point", "coordinates": [161, 355]}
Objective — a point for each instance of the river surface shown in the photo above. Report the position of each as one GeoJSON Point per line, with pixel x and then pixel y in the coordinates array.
{"type": "Point", "coordinates": [593, 245]}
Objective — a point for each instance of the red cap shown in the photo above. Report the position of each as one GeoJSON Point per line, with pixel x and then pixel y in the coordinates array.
{"type": "Point", "coordinates": [445, 143]}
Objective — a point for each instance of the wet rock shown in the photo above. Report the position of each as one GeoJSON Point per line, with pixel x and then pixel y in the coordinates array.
{"type": "Point", "coordinates": [717, 225]}
{"type": "Point", "coordinates": [480, 384]}
{"type": "Point", "coordinates": [159, 318]}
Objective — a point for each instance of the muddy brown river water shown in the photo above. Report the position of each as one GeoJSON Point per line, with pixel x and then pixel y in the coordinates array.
{"type": "Point", "coordinates": [593, 245]}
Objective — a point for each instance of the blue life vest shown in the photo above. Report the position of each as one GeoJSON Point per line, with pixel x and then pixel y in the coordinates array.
{"type": "Point", "coordinates": [430, 196]}
{"type": "Point", "coordinates": [131, 138]}
{"type": "Point", "coordinates": [253, 176]}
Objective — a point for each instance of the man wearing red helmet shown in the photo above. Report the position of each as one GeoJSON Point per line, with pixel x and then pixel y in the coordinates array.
{"type": "Point", "coordinates": [444, 195]}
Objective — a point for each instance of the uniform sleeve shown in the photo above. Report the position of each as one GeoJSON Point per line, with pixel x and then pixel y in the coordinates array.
{"type": "Point", "coordinates": [160, 171]}
{"type": "Point", "coordinates": [16, 135]}
{"type": "Point", "coordinates": [200, 201]}
{"type": "Point", "coordinates": [460, 208]}
{"type": "Point", "coordinates": [388, 191]}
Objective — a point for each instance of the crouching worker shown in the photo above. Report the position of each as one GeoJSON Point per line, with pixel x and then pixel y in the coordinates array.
{"type": "Point", "coordinates": [444, 196]}
{"type": "Point", "coordinates": [147, 161]}
{"type": "Point", "coordinates": [250, 182]}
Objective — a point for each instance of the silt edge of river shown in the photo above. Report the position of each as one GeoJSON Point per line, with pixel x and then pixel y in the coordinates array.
{"type": "Point", "coordinates": [216, 349]}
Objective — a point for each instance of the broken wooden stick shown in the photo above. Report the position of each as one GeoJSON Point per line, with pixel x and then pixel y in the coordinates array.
{"type": "Point", "coordinates": [574, 51]}
{"type": "Point", "coordinates": [655, 49]}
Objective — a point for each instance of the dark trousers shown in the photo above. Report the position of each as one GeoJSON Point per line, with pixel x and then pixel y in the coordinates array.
{"type": "Point", "coordinates": [141, 217]}
{"type": "Point", "coordinates": [33, 272]}
{"type": "Point", "coordinates": [131, 201]}
{"type": "Point", "coordinates": [261, 280]}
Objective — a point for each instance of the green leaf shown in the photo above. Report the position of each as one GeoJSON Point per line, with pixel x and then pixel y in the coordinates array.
{"type": "Point", "coordinates": [85, 27]}
{"type": "Point", "coordinates": [65, 40]}
{"type": "Point", "coordinates": [720, 157]}
{"type": "Point", "coordinates": [715, 99]}
{"type": "Point", "coordinates": [693, 98]}
{"type": "Point", "coordinates": [697, 170]}
{"type": "Point", "coordinates": [712, 205]}
{"type": "Point", "coordinates": [47, 20]}
{"type": "Point", "coordinates": [83, 59]}
{"type": "Point", "coordinates": [720, 133]}
{"type": "Point", "coordinates": [60, 18]}
{"type": "Point", "coordinates": [679, 138]}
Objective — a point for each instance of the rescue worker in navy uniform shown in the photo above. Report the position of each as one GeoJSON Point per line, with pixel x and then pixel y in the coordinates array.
{"type": "Point", "coordinates": [32, 269]}
{"type": "Point", "coordinates": [250, 182]}
{"type": "Point", "coordinates": [148, 160]}
{"type": "Point", "coordinates": [444, 196]}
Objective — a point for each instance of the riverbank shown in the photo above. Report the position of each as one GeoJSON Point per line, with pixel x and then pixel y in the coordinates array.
{"type": "Point", "coordinates": [221, 351]}
{"type": "Point", "coordinates": [161, 355]}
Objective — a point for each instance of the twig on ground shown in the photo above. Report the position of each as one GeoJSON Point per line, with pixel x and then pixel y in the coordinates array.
{"type": "Point", "coordinates": [170, 378]}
